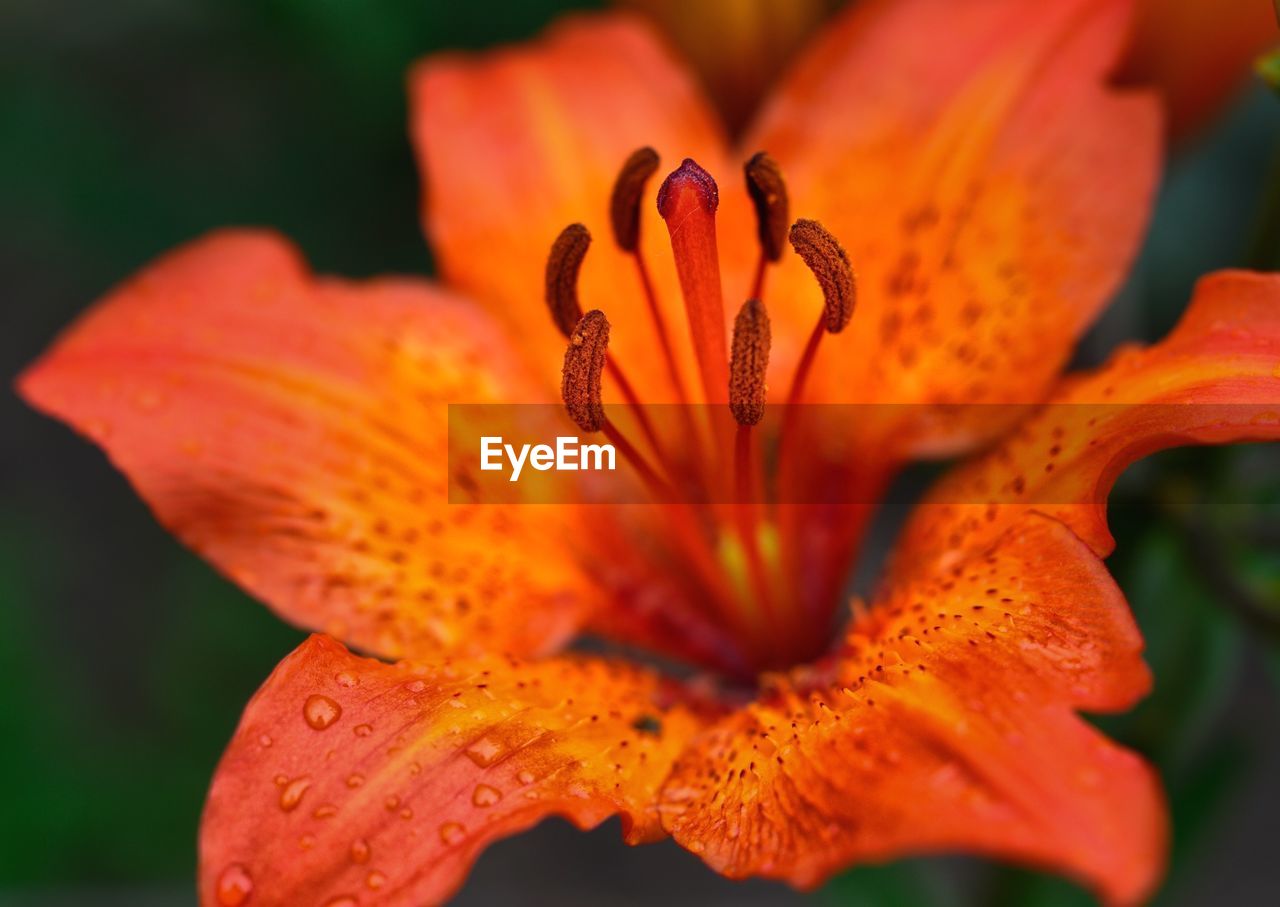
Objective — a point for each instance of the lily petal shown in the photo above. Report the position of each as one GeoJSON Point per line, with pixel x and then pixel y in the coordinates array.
{"type": "Point", "coordinates": [292, 430]}
{"type": "Point", "coordinates": [1198, 53]}
{"type": "Point", "coordinates": [738, 47]}
{"type": "Point", "coordinates": [1214, 380]}
{"type": "Point", "coordinates": [518, 143]}
{"type": "Point", "coordinates": [991, 190]}
{"type": "Point", "coordinates": [949, 725]}
{"type": "Point", "coordinates": [383, 783]}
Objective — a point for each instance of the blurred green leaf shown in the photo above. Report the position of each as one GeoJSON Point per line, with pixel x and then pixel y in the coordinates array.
{"type": "Point", "coordinates": [906, 883]}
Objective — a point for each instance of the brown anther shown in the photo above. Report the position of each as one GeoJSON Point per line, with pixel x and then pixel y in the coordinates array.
{"type": "Point", "coordinates": [768, 191]}
{"type": "Point", "coordinates": [628, 189]}
{"type": "Point", "coordinates": [827, 260]}
{"type": "Point", "coordinates": [563, 264]}
{"type": "Point", "coordinates": [580, 384]}
{"type": "Point", "coordinates": [748, 362]}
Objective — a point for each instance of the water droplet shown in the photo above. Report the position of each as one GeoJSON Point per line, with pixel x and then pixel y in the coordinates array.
{"type": "Point", "coordinates": [415, 768]}
{"type": "Point", "coordinates": [264, 741]}
{"type": "Point", "coordinates": [415, 686]}
{"type": "Point", "coordinates": [392, 802]}
{"type": "Point", "coordinates": [342, 900]}
{"type": "Point", "coordinates": [354, 781]}
{"type": "Point", "coordinates": [406, 814]}
{"type": "Point", "coordinates": [525, 777]}
{"type": "Point", "coordinates": [306, 842]}
{"type": "Point", "coordinates": [363, 730]}
{"type": "Point", "coordinates": [484, 752]}
{"type": "Point", "coordinates": [375, 880]}
{"type": "Point", "coordinates": [360, 851]}
{"type": "Point", "coordinates": [485, 795]}
{"type": "Point", "coordinates": [321, 711]}
{"type": "Point", "coordinates": [343, 679]}
{"type": "Point", "coordinates": [325, 811]}
{"type": "Point", "coordinates": [452, 832]}
{"type": "Point", "coordinates": [292, 793]}
{"type": "Point", "coordinates": [234, 886]}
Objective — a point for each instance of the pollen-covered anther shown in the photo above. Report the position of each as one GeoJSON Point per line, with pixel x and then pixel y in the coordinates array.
{"type": "Point", "coordinates": [768, 193]}
{"type": "Point", "coordinates": [628, 189]}
{"type": "Point", "coordinates": [563, 265]}
{"type": "Point", "coordinates": [584, 361]}
{"type": "Point", "coordinates": [748, 363]}
{"type": "Point", "coordinates": [829, 263]}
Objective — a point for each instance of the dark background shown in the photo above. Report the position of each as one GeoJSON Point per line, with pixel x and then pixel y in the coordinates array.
{"type": "Point", "coordinates": [133, 125]}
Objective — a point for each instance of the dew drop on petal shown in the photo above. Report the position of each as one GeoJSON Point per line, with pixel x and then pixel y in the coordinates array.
{"type": "Point", "coordinates": [234, 886]}
{"type": "Point", "coordinates": [292, 793]}
{"type": "Point", "coordinates": [321, 711]}
{"type": "Point", "coordinates": [363, 730]}
{"type": "Point", "coordinates": [360, 851]}
{"type": "Point", "coordinates": [342, 900]}
{"type": "Point", "coordinates": [343, 679]}
{"type": "Point", "coordinates": [354, 781]}
{"type": "Point", "coordinates": [415, 686]}
{"type": "Point", "coordinates": [406, 814]}
{"type": "Point", "coordinates": [484, 752]}
{"type": "Point", "coordinates": [485, 795]}
{"type": "Point", "coordinates": [325, 811]}
{"type": "Point", "coordinates": [306, 842]}
{"type": "Point", "coordinates": [375, 880]}
{"type": "Point", "coordinates": [264, 741]}
{"type": "Point", "coordinates": [525, 777]}
{"type": "Point", "coordinates": [452, 832]}
{"type": "Point", "coordinates": [392, 802]}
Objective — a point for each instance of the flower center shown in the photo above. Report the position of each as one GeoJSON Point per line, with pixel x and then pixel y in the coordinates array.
{"type": "Point", "coordinates": [734, 552]}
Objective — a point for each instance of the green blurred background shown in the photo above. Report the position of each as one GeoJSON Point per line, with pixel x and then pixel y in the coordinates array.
{"type": "Point", "coordinates": [134, 125]}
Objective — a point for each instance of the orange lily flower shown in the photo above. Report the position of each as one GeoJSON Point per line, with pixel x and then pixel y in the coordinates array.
{"type": "Point", "coordinates": [990, 190]}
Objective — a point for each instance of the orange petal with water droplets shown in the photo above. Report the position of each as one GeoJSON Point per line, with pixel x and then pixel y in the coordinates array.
{"type": "Point", "coordinates": [1214, 380]}
{"type": "Point", "coordinates": [518, 143]}
{"type": "Point", "coordinates": [947, 724]}
{"type": "Point", "coordinates": [460, 754]}
{"type": "Point", "coordinates": [292, 430]}
{"type": "Point", "coordinates": [979, 186]}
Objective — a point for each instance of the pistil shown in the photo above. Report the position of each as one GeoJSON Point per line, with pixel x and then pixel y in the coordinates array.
{"type": "Point", "coordinates": [687, 202]}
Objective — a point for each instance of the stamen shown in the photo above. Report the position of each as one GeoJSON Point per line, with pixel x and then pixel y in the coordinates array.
{"type": "Point", "coordinates": [749, 362]}
{"type": "Point", "coordinates": [827, 260]}
{"type": "Point", "coordinates": [624, 214]}
{"type": "Point", "coordinates": [563, 264]}
{"type": "Point", "coordinates": [584, 360]}
{"type": "Point", "coordinates": [687, 201]}
{"type": "Point", "coordinates": [768, 193]}
{"type": "Point", "coordinates": [628, 188]}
